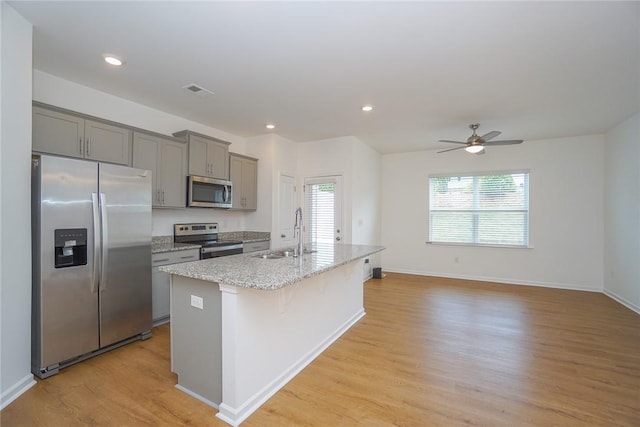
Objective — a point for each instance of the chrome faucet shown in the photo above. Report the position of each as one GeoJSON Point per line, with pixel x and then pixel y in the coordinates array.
{"type": "Point", "coordinates": [298, 226]}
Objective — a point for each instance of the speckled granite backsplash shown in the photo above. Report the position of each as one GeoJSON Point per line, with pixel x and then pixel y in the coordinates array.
{"type": "Point", "coordinates": [159, 240]}
{"type": "Point", "coordinates": [244, 235]}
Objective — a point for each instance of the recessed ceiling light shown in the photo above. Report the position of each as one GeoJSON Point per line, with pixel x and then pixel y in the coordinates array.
{"type": "Point", "coordinates": [113, 60]}
{"type": "Point", "coordinates": [270, 126]}
{"type": "Point", "coordinates": [367, 108]}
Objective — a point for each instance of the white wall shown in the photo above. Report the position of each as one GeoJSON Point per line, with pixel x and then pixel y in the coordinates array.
{"type": "Point", "coordinates": [622, 213]}
{"type": "Point", "coordinates": [566, 215]}
{"type": "Point", "coordinates": [359, 166]}
{"type": "Point", "coordinates": [365, 194]}
{"type": "Point", "coordinates": [275, 155]}
{"type": "Point", "coordinates": [330, 157]}
{"type": "Point", "coordinates": [72, 96]}
{"type": "Point", "coordinates": [15, 207]}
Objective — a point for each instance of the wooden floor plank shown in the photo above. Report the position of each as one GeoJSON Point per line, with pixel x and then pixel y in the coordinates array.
{"type": "Point", "coordinates": [430, 351]}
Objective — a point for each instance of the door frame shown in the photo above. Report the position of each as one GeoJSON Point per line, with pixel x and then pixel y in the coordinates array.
{"type": "Point", "coordinates": [338, 179]}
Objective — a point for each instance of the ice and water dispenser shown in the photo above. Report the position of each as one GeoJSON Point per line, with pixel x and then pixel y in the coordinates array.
{"type": "Point", "coordinates": [70, 247]}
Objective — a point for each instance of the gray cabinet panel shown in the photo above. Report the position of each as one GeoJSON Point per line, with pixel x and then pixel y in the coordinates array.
{"type": "Point", "coordinates": [55, 132]}
{"type": "Point", "coordinates": [160, 295]}
{"type": "Point", "coordinates": [255, 246]}
{"type": "Point", "coordinates": [107, 143]}
{"type": "Point", "coordinates": [172, 176]}
{"type": "Point", "coordinates": [198, 159]}
{"type": "Point", "coordinates": [250, 184]}
{"type": "Point", "coordinates": [244, 176]}
{"type": "Point", "coordinates": [218, 155]}
{"type": "Point", "coordinates": [208, 156]}
{"type": "Point", "coordinates": [145, 156]}
{"type": "Point", "coordinates": [167, 159]}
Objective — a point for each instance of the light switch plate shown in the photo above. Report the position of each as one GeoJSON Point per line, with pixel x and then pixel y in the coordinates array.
{"type": "Point", "coordinates": [197, 302]}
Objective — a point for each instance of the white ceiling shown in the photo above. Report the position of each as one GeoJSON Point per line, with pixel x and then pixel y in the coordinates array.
{"type": "Point", "coordinates": [533, 70]}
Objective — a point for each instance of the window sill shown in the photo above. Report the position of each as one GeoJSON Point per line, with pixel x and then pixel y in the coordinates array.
{"type": "Point", "coordinates": [479, 245]}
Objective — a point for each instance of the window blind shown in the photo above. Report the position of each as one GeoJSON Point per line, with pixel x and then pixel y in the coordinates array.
{"type": "Point", "coordinates": [320, 211]}
{"type": "Point", "coordinates": [484, 209]}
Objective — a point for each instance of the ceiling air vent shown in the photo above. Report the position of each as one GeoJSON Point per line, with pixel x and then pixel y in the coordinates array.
{"type": "Point", "coordinates": [197, 90]}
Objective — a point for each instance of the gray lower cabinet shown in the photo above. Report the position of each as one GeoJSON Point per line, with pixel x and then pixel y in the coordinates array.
{"type": "Point", "coordinates": [256, 246]}
{"type": "Point", "coordinates": [167, 160]}
{"type": "Point", "coordinates": [160, 289]}
{"type": "Point", "coordinates": [243, 171]}
{"type": "Point", "coordinates": [63, 134]}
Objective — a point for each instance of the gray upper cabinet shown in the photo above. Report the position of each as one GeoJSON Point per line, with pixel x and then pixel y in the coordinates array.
{"type": "Point", "coordinates": [244, 176]}
{"type": "Point", "coordinates": [55, 132]}
{"type": "Point", "coordinates": [207, 156]}
{"type": "Point", "coordinates": [167, 160]}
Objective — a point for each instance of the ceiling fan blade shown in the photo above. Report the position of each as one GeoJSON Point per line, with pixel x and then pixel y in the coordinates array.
{"type": "Point", "coordinates": [490, 135]}
{"type": "Point", "coordinates": [504, 142]}
{"type": "Point", "coordinates": [453, 142]}
{"type": "Point", "coordinates": [451, 149]}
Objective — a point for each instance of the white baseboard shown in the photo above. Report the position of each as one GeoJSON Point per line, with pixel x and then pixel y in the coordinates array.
{"type": "Point", "coordinates": [555, 285]}
{"type": "Point", "coordinates": [16, 390]}
{"type": "Point", "coordinates": [235, 416]}
{"type": "Point", "coordinates": [621, 300]}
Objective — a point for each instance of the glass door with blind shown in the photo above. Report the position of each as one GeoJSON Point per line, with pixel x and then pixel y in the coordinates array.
{"type": "Point", "coordinates": [323, 209]}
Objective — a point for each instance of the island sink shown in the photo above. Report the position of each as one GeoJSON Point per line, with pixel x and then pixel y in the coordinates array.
{"type": "Point", "coordinates": [282, 253]}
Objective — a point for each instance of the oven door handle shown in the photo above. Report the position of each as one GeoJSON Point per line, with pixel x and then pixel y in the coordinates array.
{"type": "Point", "coordinates": [221, 248]}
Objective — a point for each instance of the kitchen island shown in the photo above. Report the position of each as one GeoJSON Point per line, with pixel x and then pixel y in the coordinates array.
{"type": "Point", "coordinates": [242, 326]}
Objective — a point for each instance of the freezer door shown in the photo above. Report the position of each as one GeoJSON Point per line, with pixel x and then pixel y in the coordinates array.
{"type": "Point", "coordinates": [65, 299]}
{"type": "Point", "coordinates": [125, 277]}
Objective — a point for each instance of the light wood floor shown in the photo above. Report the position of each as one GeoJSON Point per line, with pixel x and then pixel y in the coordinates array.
{"type": "Point", "coordinates": [430, 351]}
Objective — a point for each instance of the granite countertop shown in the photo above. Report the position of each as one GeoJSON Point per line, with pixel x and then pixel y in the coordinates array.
{"type": "Point", "coordinates": [249, 271]}
{"type": "Point", "coordinates": [161, 244]}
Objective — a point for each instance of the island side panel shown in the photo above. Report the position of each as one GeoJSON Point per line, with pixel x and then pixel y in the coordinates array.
{"type": "Point", "coordinates": [196, 338]}
{"type": "Point", "coordinates": [270, 336]}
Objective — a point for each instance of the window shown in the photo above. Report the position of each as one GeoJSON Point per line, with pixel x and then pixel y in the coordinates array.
{"type": "Point", "coordinates": [322, 215]}
{"type": "Point", "coordinates": [487, 209]}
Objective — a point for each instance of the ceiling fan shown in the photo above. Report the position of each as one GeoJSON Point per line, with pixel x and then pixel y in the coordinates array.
{"type": "Point", "coordinates": [475, 144]}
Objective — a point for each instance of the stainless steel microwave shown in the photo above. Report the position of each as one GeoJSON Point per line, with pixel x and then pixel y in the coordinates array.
{"type": "Point", "coordinates": [205, 192]}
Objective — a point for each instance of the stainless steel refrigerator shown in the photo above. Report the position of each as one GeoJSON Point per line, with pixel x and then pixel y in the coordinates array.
{"type": "Point", "coordinates": [91, 252]}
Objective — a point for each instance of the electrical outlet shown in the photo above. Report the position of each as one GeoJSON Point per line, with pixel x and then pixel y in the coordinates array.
{"type": "Point", "coordinates": [197, 302]}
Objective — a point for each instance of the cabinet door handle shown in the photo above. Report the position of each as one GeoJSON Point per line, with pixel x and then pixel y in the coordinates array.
{"type": "Point", "coordinates": [158, 196]}
{"type": "Point", "coordinates": [187, 257]}
{"type": "Point", "coordinates": [80, 145]}
{"type": "Point", "coordinates": [282, 236]}
{"type": "Point", "coordinates": [161, 260]}
{"type": "Point", "coordinates": [88, 147]}
{"type": "Point", "coordinates": [163, 197]}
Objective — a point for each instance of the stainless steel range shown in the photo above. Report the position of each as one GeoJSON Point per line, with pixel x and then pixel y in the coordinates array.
{"type": "Point", "coordinates": [206, 235]}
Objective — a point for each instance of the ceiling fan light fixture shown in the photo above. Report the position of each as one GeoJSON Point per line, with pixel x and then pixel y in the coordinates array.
{"type": "Point", "coordinates": [367, 108]}
{"type": "Point", "coordinates": [474, 149]}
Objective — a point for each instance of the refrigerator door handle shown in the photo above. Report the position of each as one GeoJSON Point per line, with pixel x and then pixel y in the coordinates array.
{"type": "Point", "coordinates": [96, 241]}
{"type": "Point", "coordinates": [105, 242]}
